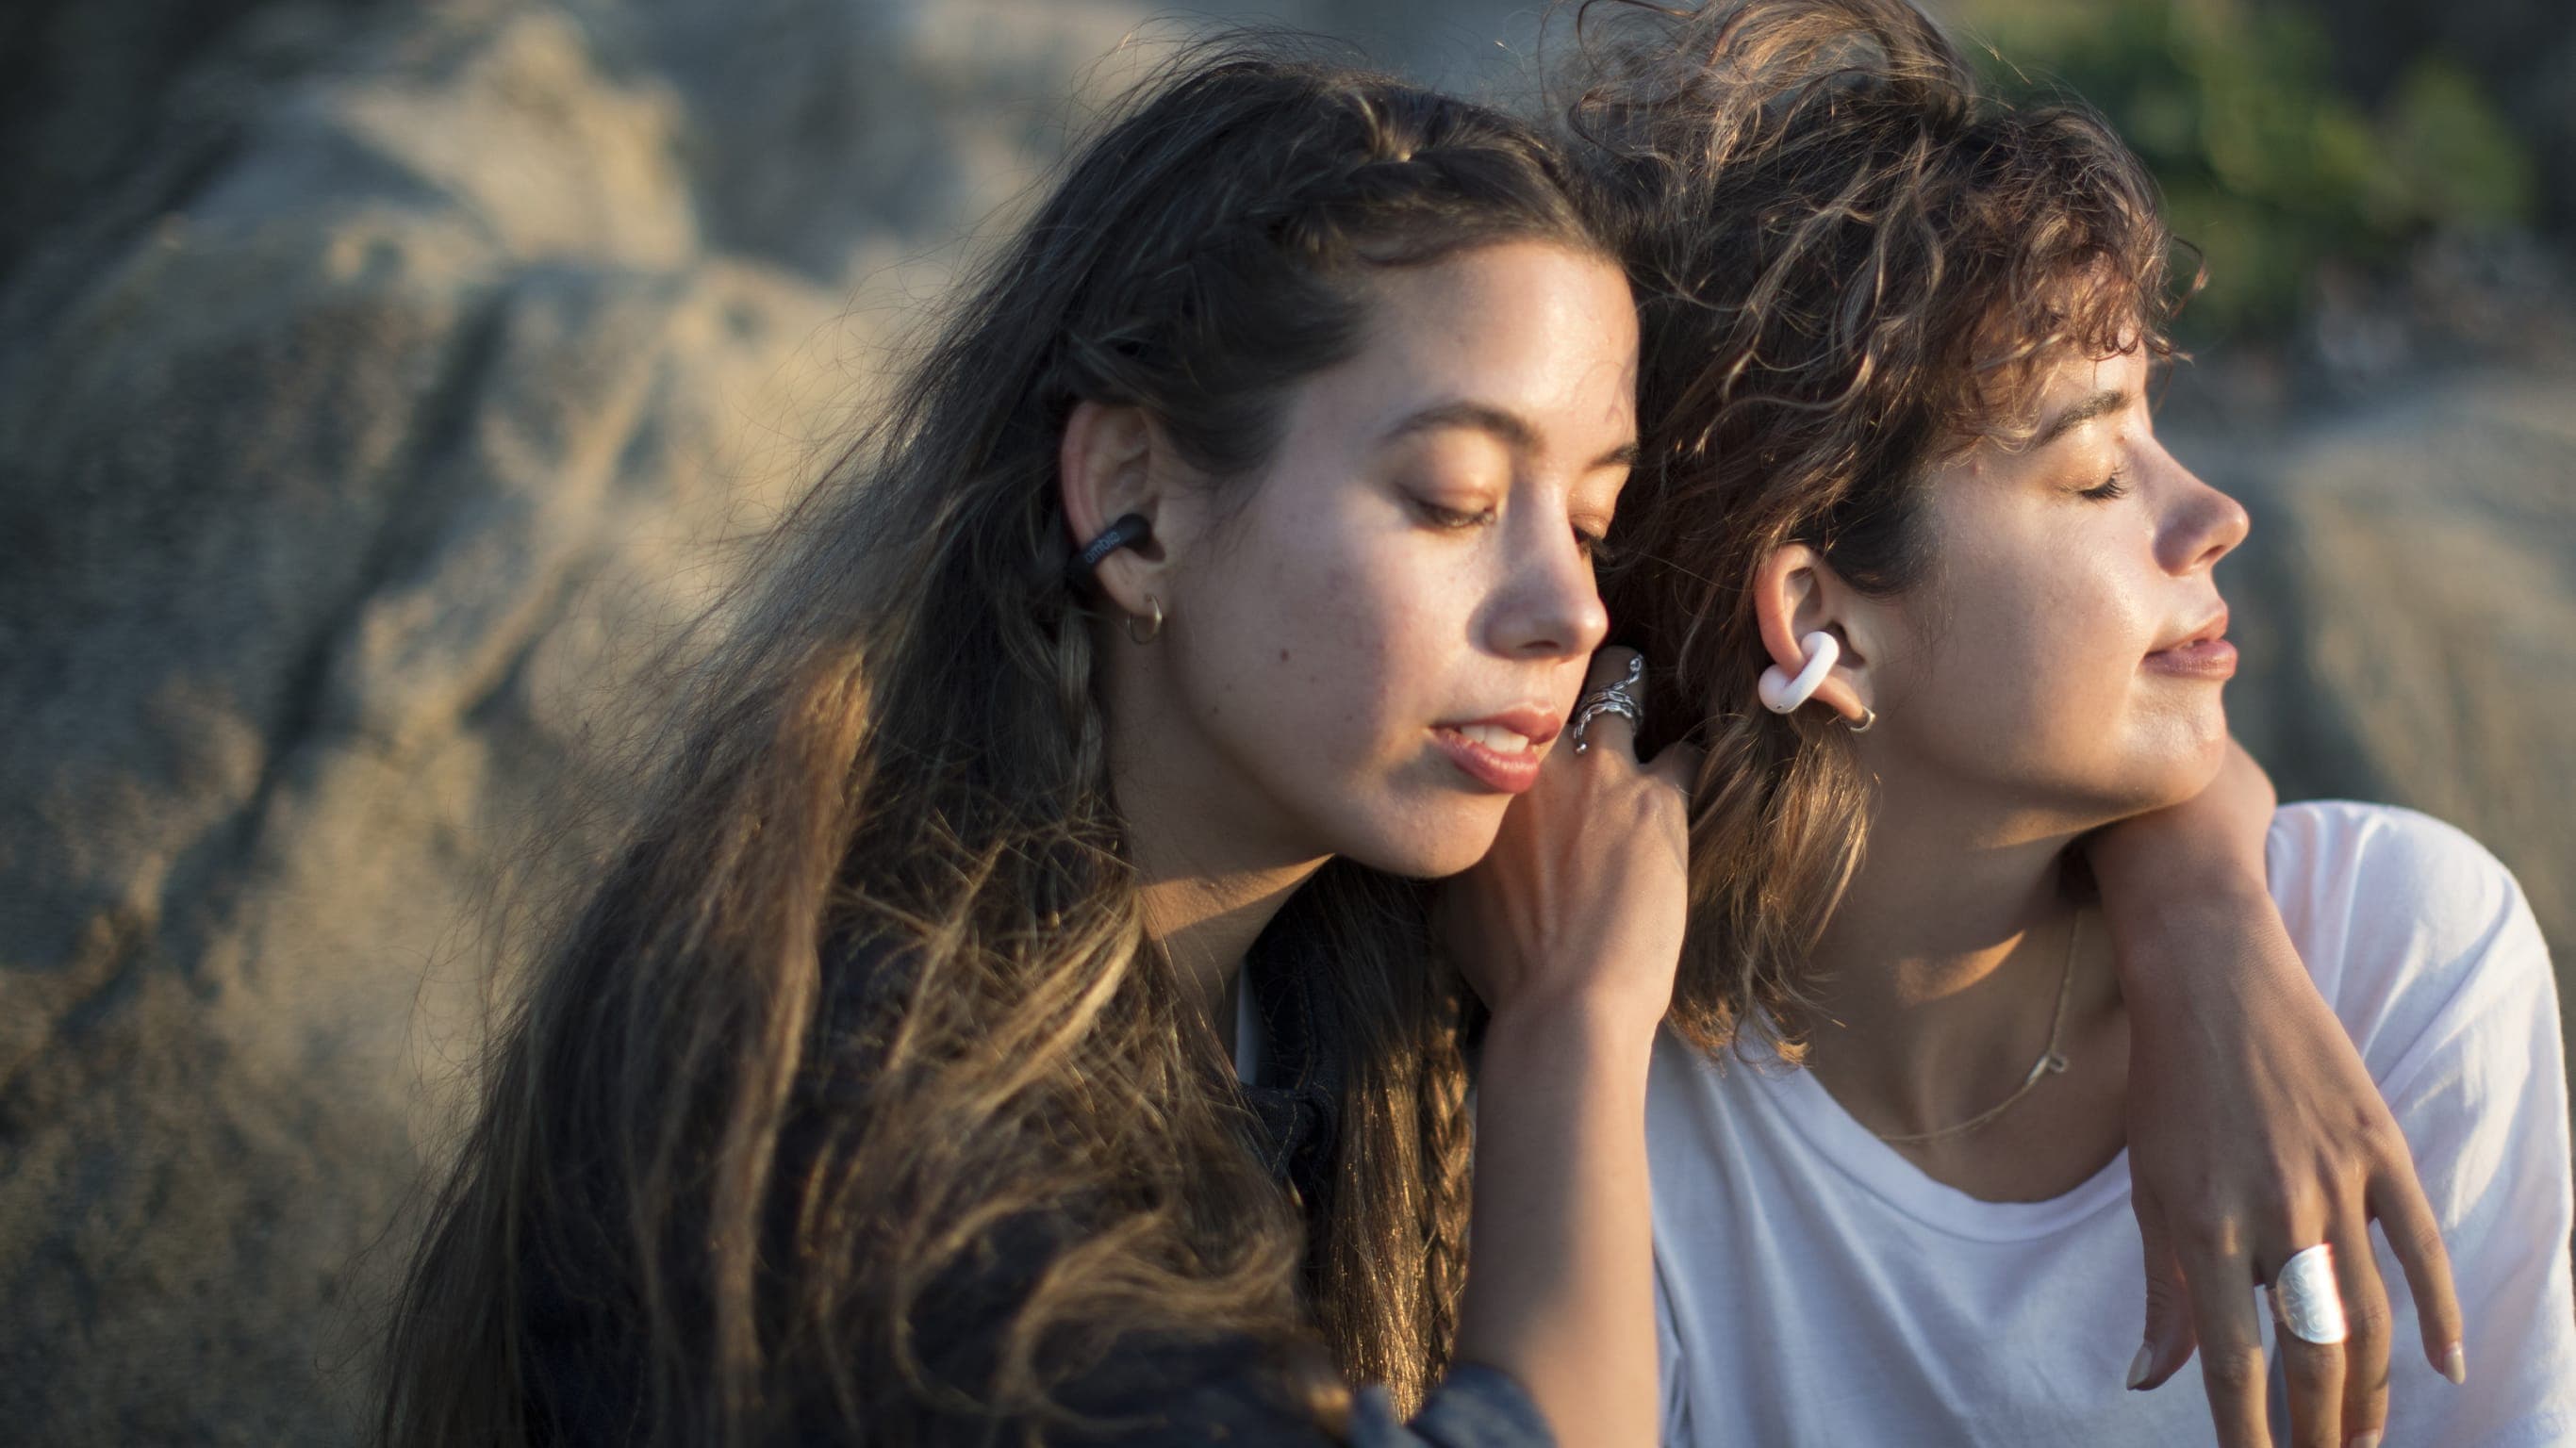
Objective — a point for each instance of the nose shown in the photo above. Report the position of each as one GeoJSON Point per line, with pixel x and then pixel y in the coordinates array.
{"type": "Point", "coordinates": [2201, 525]}
{"type": "Point", "coordinates": [1548, 605]}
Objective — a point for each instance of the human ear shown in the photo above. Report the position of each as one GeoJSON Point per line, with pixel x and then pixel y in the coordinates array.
{"type": "Point", "coordinates": [1113, 461]}
{"type": "Point", "coordinates": [1796, 593]}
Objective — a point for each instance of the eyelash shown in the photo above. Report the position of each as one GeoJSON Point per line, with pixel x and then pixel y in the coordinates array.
{"type": "Point", "coordinates": [1590, 545]}
{"type": "Point", "coordinates": [1452, 518]}
{"type": "Point", "coordinates": [2110, 487]}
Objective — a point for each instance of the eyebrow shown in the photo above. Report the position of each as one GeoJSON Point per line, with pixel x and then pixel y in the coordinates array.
{"type": "Point", "coordinates": [2100, 404]}
{"type": "Point", "coordinates": [1511, 428]}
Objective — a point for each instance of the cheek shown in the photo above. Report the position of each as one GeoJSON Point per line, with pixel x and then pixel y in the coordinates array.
{"type": "Point", "coordinates": [2030, 660]}
{"type": "Point", "coordinates": [2033, 678]}
{"type": "Point", "coordinates": [1326, 648]}
{"type": "Point", "coordinates": [1311, 650]}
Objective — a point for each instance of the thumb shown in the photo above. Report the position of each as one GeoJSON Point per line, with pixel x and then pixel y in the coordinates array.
{"type": "Point", "coordinates": [2169, 1338]}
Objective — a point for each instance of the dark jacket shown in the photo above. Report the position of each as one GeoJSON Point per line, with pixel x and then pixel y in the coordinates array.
{"type": "Point", "coordinates": [1164, 1394]}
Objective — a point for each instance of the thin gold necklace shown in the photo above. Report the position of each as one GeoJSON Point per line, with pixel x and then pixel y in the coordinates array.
{"type": "Point", "coordinates": [2051, 1062]}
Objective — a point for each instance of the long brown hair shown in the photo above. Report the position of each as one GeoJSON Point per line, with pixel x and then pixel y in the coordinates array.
{"type": "Point", "coordinates": [1849, 264]}
{"type": "Point", "coordinates": [860, 1032]}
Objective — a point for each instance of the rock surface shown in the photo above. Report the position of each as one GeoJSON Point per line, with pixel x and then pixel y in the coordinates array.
{"type": "Point", "coordinates": [2405, 606]}
{"type": "Point", "coordinates": [379, 388]}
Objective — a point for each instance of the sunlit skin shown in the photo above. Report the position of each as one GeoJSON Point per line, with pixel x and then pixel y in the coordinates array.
{"type": "Point", "coordinates": [2060, 668]}
{"type": "Point", "coordinates": [2045, 677]}
{"type": "Point", "coordinates": [1358, 641]}
{"type": "Point", "coordinates": [1369, 652]}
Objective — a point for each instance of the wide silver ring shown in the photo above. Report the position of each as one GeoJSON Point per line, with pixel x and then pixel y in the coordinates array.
{"type": "Point", "coordinates": [1611, 698]}
{"type": "Point", "coordinates": [2306, 1298]}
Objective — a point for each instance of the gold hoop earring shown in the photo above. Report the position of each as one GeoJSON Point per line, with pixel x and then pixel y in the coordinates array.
{"type": "Point", "coordinates": [1153, 628]}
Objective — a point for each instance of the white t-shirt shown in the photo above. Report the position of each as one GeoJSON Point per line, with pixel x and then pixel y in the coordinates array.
{"type": "Point", "coordinates": [1815, 1287]}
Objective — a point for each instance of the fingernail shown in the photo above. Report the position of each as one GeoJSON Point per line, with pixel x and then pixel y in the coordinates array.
{"type": "Point", "coordinates": [2363, 1440]}
{"type": "Point", "coordinates": [2138, 1366]}
{"type": "Point", "coordinates": [2455, 1364]}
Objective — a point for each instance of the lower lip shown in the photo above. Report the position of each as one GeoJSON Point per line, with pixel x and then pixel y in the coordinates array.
{"type": "Point", "coordinates": [1504, 773]}
{"type": "Point", "coordinates": [2210, 659]}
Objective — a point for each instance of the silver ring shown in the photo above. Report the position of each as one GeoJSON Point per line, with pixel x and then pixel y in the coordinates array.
{"type": "Point", "coordinates": [1596, 705]}
{"type": "Point", "coordinates": [1621, 688]}
{"type": "Point", "coordinates": [1611, 698]}
{"type": "Point", "coordinates": [2306, 1299]}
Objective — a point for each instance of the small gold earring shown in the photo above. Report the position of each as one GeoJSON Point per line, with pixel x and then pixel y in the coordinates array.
{"type": "Point", "coordinates": [1153, 629]}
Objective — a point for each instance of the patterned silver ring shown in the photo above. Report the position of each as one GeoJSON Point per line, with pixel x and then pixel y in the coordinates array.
{"type": "Point", "coordinates": [2306, 1298]}
{"type": "Point", "coordinates": [1596, 705]}
{"type": "Point", "coordinates": [1612, 698]}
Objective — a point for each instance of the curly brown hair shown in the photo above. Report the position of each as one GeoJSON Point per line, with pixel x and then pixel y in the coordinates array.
{"type": "Point", "coordinates": [884, 851]}
{"type": "Point", "coordinates": [1850, 265]}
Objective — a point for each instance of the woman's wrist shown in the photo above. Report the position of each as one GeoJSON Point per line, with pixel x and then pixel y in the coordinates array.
{"type": "Point", "coordinates": [2209, 845]}
{"type": "Point", "coordinates": [2188, 852]}
{"type": "Point", "coordinates": [1574, 1027]}
{"type": "Point", "coordinates": [2185, 934]}
{"type": "Point", "coordinates": [2197, 930]}
{"type": "Point", "coordinates": [2184, 892]}
{"type": "Point", "coordinates": [1560, 1276]}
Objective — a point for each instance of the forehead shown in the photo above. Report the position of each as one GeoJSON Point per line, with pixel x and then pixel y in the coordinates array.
{"type": "Point", "coordinates": [1534, 328]}
{"type": "Point", "coordinates": [2056, 400]}
{"type": "Point", "coordinates": [2077, 380]}
{"type": "Point", "coordinates": [2033, 401]}
{"type": "Point", "coordinates": [2025, 347]}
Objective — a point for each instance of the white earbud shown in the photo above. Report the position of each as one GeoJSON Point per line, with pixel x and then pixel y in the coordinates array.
{"type": "Point", "coordinates": [1780, 693]}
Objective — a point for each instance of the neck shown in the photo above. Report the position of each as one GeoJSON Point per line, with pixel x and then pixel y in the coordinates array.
{"type": "Point", "coordinates": [1208, 883]}
{"type": "Point", "coordinates": [1206, 920]}
{"type": "Point", "coordinates": [1939, 972]}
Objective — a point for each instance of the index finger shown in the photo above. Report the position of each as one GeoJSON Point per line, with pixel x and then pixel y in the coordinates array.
{"type": "Point", "coordinates": [1595, 728]}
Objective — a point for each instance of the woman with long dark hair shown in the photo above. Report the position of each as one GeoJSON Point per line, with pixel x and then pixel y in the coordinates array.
{"type": "Point", "coordinates": [1224, 566]}
{"type": "Point", "coordinates": [1945, 608]}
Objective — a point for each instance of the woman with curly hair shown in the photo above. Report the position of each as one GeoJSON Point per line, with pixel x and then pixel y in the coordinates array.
{"type": "Point", "coordinates": [1911, 551]}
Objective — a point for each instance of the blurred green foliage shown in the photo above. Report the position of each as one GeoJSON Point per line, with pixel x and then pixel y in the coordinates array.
{"type": "Point", "coordinates": [2267, 165]}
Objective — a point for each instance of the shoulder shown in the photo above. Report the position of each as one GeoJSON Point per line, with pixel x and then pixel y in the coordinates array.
{"type": "Point", "coordinates": [2405, 862]}
{"type": "Point", "coordinates": [2411, 927]}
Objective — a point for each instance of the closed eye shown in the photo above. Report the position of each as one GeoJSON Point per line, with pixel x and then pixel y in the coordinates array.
{"type": "Point", "coordinates": [2111, 487]}
{"type": "Point", "coordinates": [1440, 516]}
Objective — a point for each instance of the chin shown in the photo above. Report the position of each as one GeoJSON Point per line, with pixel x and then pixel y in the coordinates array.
{"type": "Point", "coordinates": [2175, 759]}
{"type": "Point", "coordinates": [2206, 757]}
{"type": "Point", "coordinates": [1448, 842]}
{"type": "Point", "coordinates": [2164, 783]}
